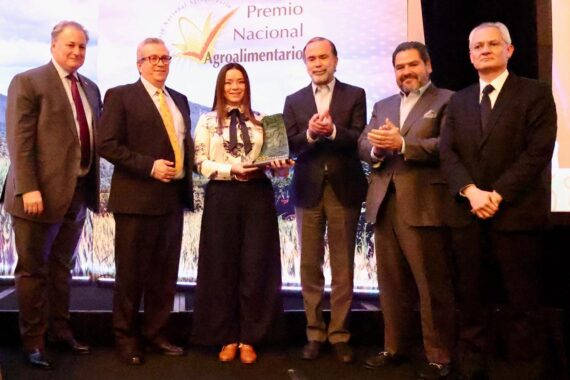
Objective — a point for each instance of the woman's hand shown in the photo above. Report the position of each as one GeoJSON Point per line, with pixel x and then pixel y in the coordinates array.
{"type": "Point", "coordinates": [242, 172]}
{"type": "Point", "coordinates": [280, 168]}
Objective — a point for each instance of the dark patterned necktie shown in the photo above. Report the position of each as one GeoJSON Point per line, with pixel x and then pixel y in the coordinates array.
{"type": "Point", "coordinates": [236, 118]}
{"type": "Point", "coordinates": [486, 107]}
{"type": "Point", "coordinates": [84, 138]}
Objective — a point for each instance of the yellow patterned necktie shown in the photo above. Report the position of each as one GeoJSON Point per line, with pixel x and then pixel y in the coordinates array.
{"type": "Point", "coordinates": [168, 121]}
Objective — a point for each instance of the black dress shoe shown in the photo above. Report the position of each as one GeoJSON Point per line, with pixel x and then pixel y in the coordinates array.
{"type": "Point", "coordinates": [434, 371]}
{"type": "Point", "coordinates": [383, 359]}
{"type": "Point", "coordinates": [343, 352]}
{"type": "Point", "coordinates": [167, 348]}
{"type": "Point", "coordinates": [131, 357]}
{"type": "Point", "coordinates": [37, 359]}
{"type": "Point", "coordinates": [70, 344]}
{"type": "Point", "coordinates": [311, 350]}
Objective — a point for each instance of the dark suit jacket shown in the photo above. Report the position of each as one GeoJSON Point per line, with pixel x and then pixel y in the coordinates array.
{"type": "Point", "coordinates": [345, 174]}
{"type": "Point", "coordinates": [132, 136]}
{"type": "Point", "coordinates": [512, 157]}
{"type": "Point", "coordinates": [420, 189]}
{"type": "Point", "coordinates": [43, 143]}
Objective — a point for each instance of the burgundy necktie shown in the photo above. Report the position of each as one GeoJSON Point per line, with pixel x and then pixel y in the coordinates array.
{"type": "Point", "coordinates": [84, 137]}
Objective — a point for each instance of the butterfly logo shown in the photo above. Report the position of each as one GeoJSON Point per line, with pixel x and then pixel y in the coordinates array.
{"type": "Point", "coordinates": [198, 43]}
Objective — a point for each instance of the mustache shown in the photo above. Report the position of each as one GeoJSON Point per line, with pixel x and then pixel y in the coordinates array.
{"type": "Point", "coordinates": [408, 76]}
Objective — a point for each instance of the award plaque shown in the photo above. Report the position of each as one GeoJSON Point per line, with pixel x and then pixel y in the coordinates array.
{"type": "Point", "coordinates": [275, 145]}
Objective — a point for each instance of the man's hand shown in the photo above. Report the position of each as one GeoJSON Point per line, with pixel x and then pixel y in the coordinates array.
{"type": "Point", "coordinates": [386, 137]}
{"type": "Point", "coordinates": [484, 204]}
{"type": "Point", "coordinates": [33, 203]}
{"type": "Point", "coordinates": [320, 125]}
{"type": "Point", "coordinates": [163, 170]}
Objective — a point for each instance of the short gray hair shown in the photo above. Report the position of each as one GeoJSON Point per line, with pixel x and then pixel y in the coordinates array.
{"type": "Point", "coordinates": [148, 41]}
{"type": "Point", "coordinates": [60, 27]}
{"type": "Point", "coordinates": [497, 25]}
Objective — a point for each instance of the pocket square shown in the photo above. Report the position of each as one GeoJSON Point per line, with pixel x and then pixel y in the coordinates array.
{"type": "Point", "coordinates": [430, 114]}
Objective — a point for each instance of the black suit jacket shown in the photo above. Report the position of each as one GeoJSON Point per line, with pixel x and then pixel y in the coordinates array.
{"type": "Point", "coordinates": [132, 136]}
{"type": "Point", "coordinates": [344, 169]}
{"type": "Point", "coordinates": [512, 157]}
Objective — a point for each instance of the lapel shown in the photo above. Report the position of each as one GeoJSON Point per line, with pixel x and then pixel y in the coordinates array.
{"type": "Point", "coordinates": [337, 98]}
{"type": "Point", "coordinates": [308, 101]}
{"type": "Point", "coordinates": [504, 99]}
{"type": "Point", "coordinates": [419, 109]}
{"type": "Point", "coordinates": [181, 106]}
{"type": "Point", "coordinates": [392, 111]}
{"type": "Point", "coordinates": [147, 105]}
{"type": "Point", "coordinates": [56, 83]}
{"type": "Point", "coordinates": [92, 96]}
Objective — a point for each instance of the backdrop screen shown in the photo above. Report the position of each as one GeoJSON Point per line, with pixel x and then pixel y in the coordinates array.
{"type": "Point", "coordinates": [267, 37]}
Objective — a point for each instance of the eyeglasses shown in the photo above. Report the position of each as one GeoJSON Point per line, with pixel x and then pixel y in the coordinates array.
{"type": "Point", "coordinates": [154, 59]}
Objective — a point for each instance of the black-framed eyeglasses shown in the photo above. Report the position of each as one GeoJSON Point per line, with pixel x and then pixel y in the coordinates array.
{"type": "Point", "coordinates": [154, 59]}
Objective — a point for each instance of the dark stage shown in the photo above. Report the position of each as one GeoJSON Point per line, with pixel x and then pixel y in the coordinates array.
{"type": "Point", "coordinates": [278, 358]}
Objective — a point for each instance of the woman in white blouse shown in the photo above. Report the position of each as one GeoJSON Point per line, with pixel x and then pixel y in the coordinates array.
{"type": "Point", "coordinates": [239, 269]}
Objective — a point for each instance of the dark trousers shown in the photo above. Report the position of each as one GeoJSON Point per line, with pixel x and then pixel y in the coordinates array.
{"type": "Point", "coordinates": [239, 267]}
{"type": "Point", "coordinates": [147, 255]}
{"type": "Point", "coordinates": [499, 267]}
{"type": "Point", "coordinates": [412, 263]}
{"type": "Point", "coordinates": [46, 256]}
{"type": "Point", "coordinates": [340, 224]}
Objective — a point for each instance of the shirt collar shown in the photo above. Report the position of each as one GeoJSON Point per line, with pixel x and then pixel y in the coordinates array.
{"type": "Point", "coordinates": [419, 92]}
{"type": "Point", "coordinates": [497, 83]}
{"type": "Point", "coordinates": [330, 85]}
{"type": "Point", "coordinates": [151, 89]}
{"type": "Point", "coordinates": [61, 71]}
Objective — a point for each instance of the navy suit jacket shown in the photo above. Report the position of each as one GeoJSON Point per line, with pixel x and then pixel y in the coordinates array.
{"type": "Point", "coordinates": [344, 169]}
{"type": "Point", "coordinates": [512, 157]}
{"type": "Point", "coordinates": [132, 136]}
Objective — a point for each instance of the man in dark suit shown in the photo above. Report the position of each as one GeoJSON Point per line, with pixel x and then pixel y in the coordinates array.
{"type": "Point", "coordinates": [323, 123]}
{"type": "Point", "coordinates": [145, 133]}
{"type": "Point", "coordinates": [405, 204]}
{"type": "Point", "coordinates": [54, 175]}
{"type": "Point", "coordinates": [496, 149]}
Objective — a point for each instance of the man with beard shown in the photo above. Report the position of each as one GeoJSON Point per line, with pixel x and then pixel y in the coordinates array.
{"type": "Point", "coordinates": [404, 202]}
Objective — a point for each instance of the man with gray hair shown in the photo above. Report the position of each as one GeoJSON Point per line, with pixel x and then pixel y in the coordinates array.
{"type": "Point", "coordinates": [496, 148]}
{"type": "Point", "coordinates": [324, 120]}
{"type": "Point", "coordinates": [51, 115]}
{"type": "Point", "coordinates": [145, 133]}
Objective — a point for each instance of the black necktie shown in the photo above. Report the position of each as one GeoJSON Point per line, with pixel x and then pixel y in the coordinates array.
{"type": "Point", "coordinates": [486, 107]}
{"type": "Point", "coordinates": [237, 119]}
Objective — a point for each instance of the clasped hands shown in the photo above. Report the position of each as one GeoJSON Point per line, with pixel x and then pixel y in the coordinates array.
{"type": "Point", "coordinates": [386, 138]}
{"type": "Point", "coordinates": [484, 204]}
{"type": "Point", "coordinates": [321, 125]}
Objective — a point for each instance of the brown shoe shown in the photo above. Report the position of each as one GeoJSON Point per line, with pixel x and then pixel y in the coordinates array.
{"type": "Point", "coordinates": [228, 352]}
{"type": "Point", "coordinates": [247, 354]}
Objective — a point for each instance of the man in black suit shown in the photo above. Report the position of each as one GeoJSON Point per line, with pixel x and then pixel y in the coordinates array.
{"type": "Point", "coordinates": [145, 133]}
{"type": "Point", "coordinates": [51, 115]}
{"type": "Point", "coordinates": [324, 121]}
{"type": "Point", "coordinates": [496, 149]}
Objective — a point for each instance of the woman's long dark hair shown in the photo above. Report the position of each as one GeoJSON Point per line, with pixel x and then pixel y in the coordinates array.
{"type": "Point", "coordinates": [220, 100]}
